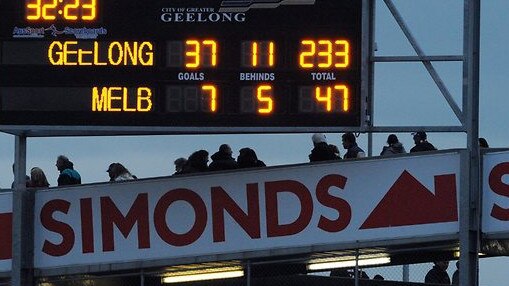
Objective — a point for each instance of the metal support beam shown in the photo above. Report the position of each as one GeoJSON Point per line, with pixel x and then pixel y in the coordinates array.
{"type": "Point", "coordinates": [22, 220]}
{"type": "Point", "coordinates": [471, 208]}
{"type": "Point", "coordinates": [427, 64]}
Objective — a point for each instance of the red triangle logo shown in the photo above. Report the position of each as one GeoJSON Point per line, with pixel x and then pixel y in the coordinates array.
{"type": "Point", "coordinates": [408, 202]}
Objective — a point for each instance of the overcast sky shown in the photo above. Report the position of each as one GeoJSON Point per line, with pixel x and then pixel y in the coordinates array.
{"type": "Point", "coordinates": [404, 96]}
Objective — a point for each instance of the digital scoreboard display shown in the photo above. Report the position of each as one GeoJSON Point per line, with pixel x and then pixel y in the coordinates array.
{"type": "Point", "coordinates": [211, 65]}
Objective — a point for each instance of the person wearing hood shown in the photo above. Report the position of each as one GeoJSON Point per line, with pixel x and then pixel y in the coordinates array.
{"type": "Point", "coordinates": [222, 159]}
{"type": "Point", "coordinates": [321, 150]}
{"type": "Point", "coordinates": [394, 146]}
{"type": "Point", "coordinates": [68, 176]}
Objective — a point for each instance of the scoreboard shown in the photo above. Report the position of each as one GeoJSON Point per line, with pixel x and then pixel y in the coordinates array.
{"type": "Point", "coordinates": [203, 64]}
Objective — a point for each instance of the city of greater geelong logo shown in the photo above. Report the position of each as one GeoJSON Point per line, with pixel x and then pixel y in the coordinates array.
{"type": "Point", "coordinates": [244, 5]}
{"type": "Point", "coordinates": [229, 11]}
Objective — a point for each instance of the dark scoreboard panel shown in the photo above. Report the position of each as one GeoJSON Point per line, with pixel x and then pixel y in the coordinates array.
{"type": "Point", "coordinates": [178, 64]}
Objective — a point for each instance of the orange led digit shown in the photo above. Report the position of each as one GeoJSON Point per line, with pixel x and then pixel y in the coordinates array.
{"type": "Point", "coordinates": [213, 96]}
{"type": "Point", "coordinates": [193, 54]}
{"type": "Point", "coordinates": [326, 54]}
{"type": "Point", "coordinates": [327, 98]}
{"type": "Point", "coordinates": [213, 48]}
{"type": "Point", "coordinates": [306, 54]}
{"type": "Point", "coordinates": [271, 54]}
{"type": "Point", "coordinates": [343, 54]}
{"type": "Point", "coordinates": [90, 6]}
{"type": "Point", "coordinates": [264, 95]}
{"type": "Point", "coordinates": [254, 51]}
{"type": "Point", "coordinates": [51, 5]}
{"type": "Point", "coordinates": [34, 10]}
{"type": "Point", "coordinates": [346, 97]}
{"type": "Point", "coordinates": [71, 10]}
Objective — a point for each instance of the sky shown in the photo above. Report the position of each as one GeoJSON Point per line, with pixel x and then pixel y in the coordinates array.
{"type": "Point", "coordinates": [404, 96]}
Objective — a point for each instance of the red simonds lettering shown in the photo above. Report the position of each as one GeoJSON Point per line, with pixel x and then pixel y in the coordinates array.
{"type": "Point", "coordinates": [138, 214]}
{"type": "Point", "coordinates": [221, 202]}
{"type": "Point", "coordinates": [500, 188]}
{"type": "Point", "coordinates": [200, 211]}
{"type": "Point", "coordinates": [272, 189]}
{"type": "Point", "coordinates": [56, 226]}
{"type": "Point", "coordinates": [338, 204]}
{"type": "Point", "coordinates": [87, 226]}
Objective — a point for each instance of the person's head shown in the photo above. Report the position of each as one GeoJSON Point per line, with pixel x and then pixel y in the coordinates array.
{"type": "Point", "coordinates": [199, 159]}
{"type": "Point", "coordinates": [226, 149]}
{"type": "Point", "coordinates": [442, 264]}
{"type": "Point", "coordinates": [483, 143]}
{"type": "Point", "coordinates": [319, 138]}
{"type": "Point", "coordinates": [179, 164]}
{"type": "Point", "coordinates": [378, 277]}
{"type": "Point", "coordinates": [334, 149]}
{"type": "Point", "coordinates": [247, 155]}
{"type": "Point", "coordinates": [63, 163]}
{"type": "Point", "coordinates": [348, 139]}
{"type": "Point", "coordinates": [38, 178]}
{"type": "Point", "coordinates": [419, 137]}
{"type": "Point", "coordinates": [392, 139]}
{"type": "Point", "coordinates": [115, 170]}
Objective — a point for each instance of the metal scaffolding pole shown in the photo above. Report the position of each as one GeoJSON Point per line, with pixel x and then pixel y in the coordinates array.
{"type": "Point", "coordinates": [22, 220]}
{"type": "Point", "coordinates": [470, 185]}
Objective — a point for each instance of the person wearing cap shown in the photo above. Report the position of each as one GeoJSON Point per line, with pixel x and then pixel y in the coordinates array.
{"type": "Point", "coordinates": [321, 150]}
{"type": "Point", "coordinates": [421, 143]}
{"type": "Point", "coordinates": [352, 149]}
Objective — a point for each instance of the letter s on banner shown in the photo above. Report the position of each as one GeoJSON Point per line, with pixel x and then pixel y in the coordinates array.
{"type": "Point", "coordinates": [328, 200]}
{"type": "Point", "coordinates": [498, 186]}
{"type": "Point", "coordinates": [59, 227]}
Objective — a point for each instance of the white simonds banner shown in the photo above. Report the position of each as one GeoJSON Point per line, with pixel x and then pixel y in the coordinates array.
{"type": "Point", "coordinates": [236, 212]}
{"type": "Point", "coordinates": [495, 207]}
{"type": "Point", "coordinates": [5, 231]}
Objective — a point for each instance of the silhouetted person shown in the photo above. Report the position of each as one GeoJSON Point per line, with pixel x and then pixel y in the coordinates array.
{"type": "Point", "coordinates": [378, 277]}
{"type": "Point", "coordinates": [335, 149]}
{"type": "Point", "coordinates": [197, 162]}
{"type": "Point", "coordinates": [421, 143]}
{"type": "Point", "coordinates": [222, 159]}
{"type": "Point", "coordinates": [393, 146]}
{"type": "Point", "coordinates": [179, 165]}
{"type": "Point", "coordinates": [438, 274]}
{"type": "Point", "coordinates": [68, 176]}
{"type": "Point", "coordinates": [321, 150]}
{"type": "Point", "coordinates": [27, 178]}
{"type": "Point", "coordinates": [37, 178]}
{"type": "Point", "coordinates": [247, 159]}
{"type": "Point", "coordinates": [118, 172]}
{"type": "Point", "coordinates": [352, 149]}
{"type": "Point", "coordinates": [483, 143]}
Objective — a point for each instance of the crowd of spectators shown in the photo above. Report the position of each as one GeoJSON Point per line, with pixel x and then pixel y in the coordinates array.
{"type": "Point", "coordinates": [223, 159]}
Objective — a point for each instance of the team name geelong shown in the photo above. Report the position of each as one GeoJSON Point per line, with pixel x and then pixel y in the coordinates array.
{"type": "Point", "coordinates": [203, 17]}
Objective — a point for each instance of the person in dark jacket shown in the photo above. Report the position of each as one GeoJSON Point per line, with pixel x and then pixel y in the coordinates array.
{"type": "Point", "coordinates": [68, 176]}
{"type": "Point", "coordinates": [247, 159]}
{"type": "Point", "coordinates": [394, 146]}
{"type": "Point", "coordinates": [352, 149]}
{"type": "Point", "coordinates": [321, 150]}
{"type": "Point", "coordinates": [438, 274]}
{"type": "Point", "coordinates": [222, 159]}
{"type": "Point", "coordinates": [421, 143]}
{"type": "Point", "coordinates": [196, 163]}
